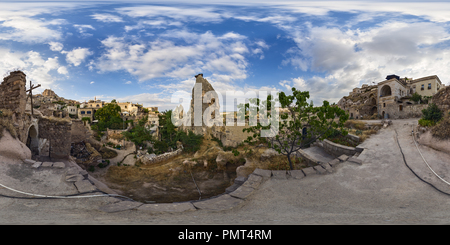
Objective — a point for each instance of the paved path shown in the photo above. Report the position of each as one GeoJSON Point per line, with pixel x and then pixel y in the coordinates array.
{"type": "Point", "coordinates": [382, 190]}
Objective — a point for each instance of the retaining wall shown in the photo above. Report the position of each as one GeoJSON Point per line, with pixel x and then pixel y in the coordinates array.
{"type": "Point", "coordinates": [337, 149]}
{"type": "Point", "coordinates": [147, 160]}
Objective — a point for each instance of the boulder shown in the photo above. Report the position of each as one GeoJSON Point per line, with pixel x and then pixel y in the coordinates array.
{"type": "Point", "coordinates": [13, 148]}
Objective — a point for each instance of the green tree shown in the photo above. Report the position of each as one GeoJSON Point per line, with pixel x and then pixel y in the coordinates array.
{"type": "Point", "coordinates": [191, 141]}
{"type": "Point", "coordinates": [139, 134]}
{"type": "Point", "coordinates": [167, 131]}
{"type": "Point", "coordinates": [320, 122]}
{"type": "Point", "coordinates": [108, 112]}
{"type": "Point", "coordinates": [432, 113]}
{"type": "Point", "coordinates": [416, 97]}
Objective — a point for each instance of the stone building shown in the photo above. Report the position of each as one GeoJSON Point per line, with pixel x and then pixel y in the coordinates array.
{"type": "Point", "coordinates": [390, 98]}
{"type": "Point", "coordinates": [88, 109]}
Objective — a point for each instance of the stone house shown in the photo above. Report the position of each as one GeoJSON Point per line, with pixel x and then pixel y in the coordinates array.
{"type": "Point", "coordinates": [88, 109]}
{"type": "Point", "coordinates": [390, 98]}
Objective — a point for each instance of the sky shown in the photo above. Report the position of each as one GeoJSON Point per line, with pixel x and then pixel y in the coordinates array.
{"type": "Point", "coordinates": [146, 51]}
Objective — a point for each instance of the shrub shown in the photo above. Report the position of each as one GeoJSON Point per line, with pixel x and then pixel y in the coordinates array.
{"type": "Point", "coordinates": [416, 97]}
{"type": "Point", "coordinates": [161, 147]}
{"type": "Point", "coordinates": [191, 141]}
{"type": "Point", "coordinates": [432, 113]}
{"type": "Point", "coordinates": [426, 123]}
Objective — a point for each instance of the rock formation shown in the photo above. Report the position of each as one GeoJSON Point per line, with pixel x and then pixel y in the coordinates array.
{"type": "Point", "coordinates": [362, 102]}
{"type": "Point", "coordinates": [442, 99]}
{"type": "Point", "coordinates": [201, 100]}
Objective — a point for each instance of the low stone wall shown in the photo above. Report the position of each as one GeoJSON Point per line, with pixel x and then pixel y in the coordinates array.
{"type": "Point", "coordinates": [337, 149]}
{"type": "Point", "coordinates": [307, 158]}
{"type": "Point", "coordinates": [149, 159]}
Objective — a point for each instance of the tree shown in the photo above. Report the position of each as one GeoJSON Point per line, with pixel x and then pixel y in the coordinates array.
{"type": "Point", "coordinates": [416, 97]}
{"type": "Point", "coordinates": [108, 112]}
{"type": "Point", "coordinates": [139, 133]}
{"type": "Point", "coordinates": [319, 122]}
{"type": "Point", "coordinates": [191, 141]}
{"type": "Point", "coordinates": [167, 131]}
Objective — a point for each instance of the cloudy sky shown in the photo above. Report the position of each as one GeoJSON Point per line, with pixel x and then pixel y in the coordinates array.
{"type": "Point", "coordinates": [145, 51]}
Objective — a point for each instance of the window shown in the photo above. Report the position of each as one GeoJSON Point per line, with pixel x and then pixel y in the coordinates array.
{"type": "Point", "coordinates": [98, 105]}
{"type": "Point", "coordinates": [384, 104]}
{"type": "Point", "coordinates": [83, 112]}
{"type": "Point", "coordinates": [400, 107]}
{"type": "Point", "coordinates": [88, 112]}
{"type": "Point", "coordinates": [422, 87]}
{"type": "Point", "coordinates": [429, 86]}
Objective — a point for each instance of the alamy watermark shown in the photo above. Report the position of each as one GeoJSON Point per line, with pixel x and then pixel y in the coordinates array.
{"type": "Point", "coordinates": [197, 115]}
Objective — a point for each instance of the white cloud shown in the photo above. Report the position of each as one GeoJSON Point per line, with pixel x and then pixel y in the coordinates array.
{"type": "Point", "coordinates": [92, 82]}
{"type": "Point", "coordinates": [108, 18]}
{"type": "Point", "coordinates": [203, 52]}
{"type": "Point", "coordinates": [30, 30]}
{"type": "Point", "coordinates": [77, 55]}
{"type": "Point", "coordinates": [128, 82]}
{"type": "Point", "coordinates": [56, 46]}
{"type": "Point", "coordinates": [63, 70]}
{"type": "Point", "coordinates": [82, 29]}
{"type": "Point", "coordinates": [197, 14]}
{"type": "Point", "coordinates": [349, 58]}
{"type": "Point", "coordinates": [39, 70]}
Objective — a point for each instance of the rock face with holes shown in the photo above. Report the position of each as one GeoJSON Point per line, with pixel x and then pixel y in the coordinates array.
{"type": "Point", "coordinates": [361, 102]}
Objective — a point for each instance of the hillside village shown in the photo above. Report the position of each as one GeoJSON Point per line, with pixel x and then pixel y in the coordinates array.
{"type": "Point", "coordinates": [53, 128]}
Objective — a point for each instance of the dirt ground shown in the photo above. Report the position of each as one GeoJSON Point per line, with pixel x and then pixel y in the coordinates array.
{"type": "Point", "coordinates": [172, 181]}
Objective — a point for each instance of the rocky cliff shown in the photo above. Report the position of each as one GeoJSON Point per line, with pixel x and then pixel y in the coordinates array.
{"type": "Point", "coordinates": [442, 99]}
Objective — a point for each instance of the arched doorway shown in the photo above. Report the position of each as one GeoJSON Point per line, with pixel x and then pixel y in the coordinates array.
{"type": "Point", "coordinates": [385, 91]}
{"type": "Point", "coordinates": [32, 140]}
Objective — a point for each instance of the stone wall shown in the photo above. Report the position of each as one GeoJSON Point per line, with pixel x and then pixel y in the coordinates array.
{"type": "Point", "coordinates": [58, 132]}
{"type": "Point", "coordinates": [78, 131]}
{"type": "Point", "coordinates": [12, 92]}
{"type": "Point", "coordinates": [337, 150]}
{"type": "Point", "coordinates": [13, 97]}
{"type": "Point", "coordinates": [394, 110]}
{"type": "Point", "coordinates": [152, 158]}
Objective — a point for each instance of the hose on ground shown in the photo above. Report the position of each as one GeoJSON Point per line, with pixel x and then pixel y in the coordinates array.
{"type": "Point", "coordinates": [404, 160]}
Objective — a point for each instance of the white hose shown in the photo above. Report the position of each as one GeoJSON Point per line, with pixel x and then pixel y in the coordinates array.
{"type": "Point", "coordinates": [426, 160]}
{"type": "Point", "coordinates": [37, 195]}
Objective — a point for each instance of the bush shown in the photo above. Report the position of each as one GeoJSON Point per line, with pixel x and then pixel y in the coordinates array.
{"type": "Point", "coordinates": [432, 113]}
{"type": "Point", "coordinates": [416, 97]}
{"type": "Point", "coordinates": [191, 141]}
{"type": "Point", "coordinates": [426, 123]}
{"type": "Point", "coordinates": [161, 147]}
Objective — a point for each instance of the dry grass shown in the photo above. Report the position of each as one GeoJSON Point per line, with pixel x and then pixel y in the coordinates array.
{"type": "Point", "coordinates": [354, 124]}
{"type": "Point", "coordinates": [442, 129]}
{"type": "Point", "coordinates": [365, 134]}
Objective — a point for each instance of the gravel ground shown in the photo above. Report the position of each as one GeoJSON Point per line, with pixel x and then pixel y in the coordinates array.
{"type": "Point", "coordinates": [382, 190]}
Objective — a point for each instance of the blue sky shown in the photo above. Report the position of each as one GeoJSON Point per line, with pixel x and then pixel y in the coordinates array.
{"type": "Point", "coordinates": [145, 51]}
